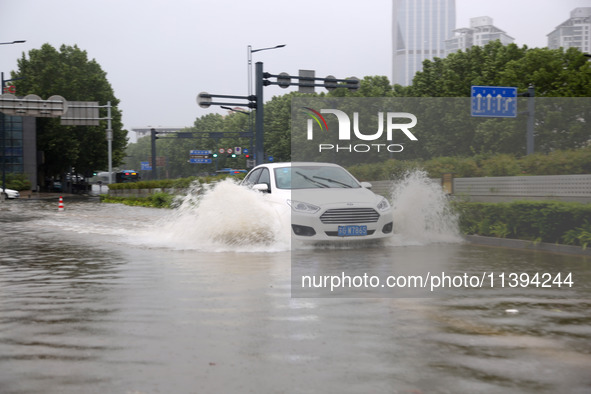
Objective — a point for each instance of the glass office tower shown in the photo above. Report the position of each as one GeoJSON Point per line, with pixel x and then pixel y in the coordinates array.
{"type": "Point", "coordinates": [419, 31]}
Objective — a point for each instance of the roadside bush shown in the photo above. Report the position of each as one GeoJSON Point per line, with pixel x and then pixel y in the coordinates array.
{"type": "Point", "coordinates": [156, 200]}
{"type": "Point", "coordinates": [389, 169]}
{"type": "Point", "coordinates": [545, 221]}
{"type": "Point", "coordinates": [18, 182]}
{"type": "Point", "coordinates": [500, 165]}
{"type": "Point", "coordinates": [579, 236]}
{"type": "Point", "coordinates": [461, 167]}
{"type": "Point", "coordinates": [565, 162]}
{"type": "Point", "coordinates": [161, 200]}
{"type": "Point", "coordinates": [179, 183]}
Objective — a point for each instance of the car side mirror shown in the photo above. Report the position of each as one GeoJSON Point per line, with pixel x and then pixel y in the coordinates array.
{"type": "Point", "coordinates": [262, 187]}
{"type": "Point", "coordinates": [366, 185]}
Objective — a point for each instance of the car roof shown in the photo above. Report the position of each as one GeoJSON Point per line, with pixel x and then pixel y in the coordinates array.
{"type": "Point", "coordinates": [296, 163]}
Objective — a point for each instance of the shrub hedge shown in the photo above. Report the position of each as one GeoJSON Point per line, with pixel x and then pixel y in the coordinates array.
{"type": "Point", "coordinates": [567, 162]}
{"type": "Point", "coordinates": [156, 200]}
{"type": "Point", "coordinates": [540, 221]}
{"type": "Point", "coordinates": [179, 183]}
{"type": "Point", "coordinates": [18, 182]}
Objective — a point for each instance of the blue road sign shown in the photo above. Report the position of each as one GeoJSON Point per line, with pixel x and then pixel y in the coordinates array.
{"type": "Point", "coordinates": [200, 161]}
{"type": "Point", "coordinates": [494, 101]}
{"type": "Point", "coordinates": [200, 152]}
{"type": "Point", "coordinates": [145, 166]}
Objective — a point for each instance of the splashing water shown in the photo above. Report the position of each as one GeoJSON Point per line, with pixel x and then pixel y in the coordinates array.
{"type": "Point", "coordinates": [222, 217]}
{"type": "Point", "coordinates": [422, 213]}
{"type": "Point", "coordinates": [228, 217]}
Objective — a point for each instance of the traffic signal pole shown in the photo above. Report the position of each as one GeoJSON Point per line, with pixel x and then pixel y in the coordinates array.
{"type": "Point", "coordinates": [259, 153]}
{"type": "Point", "coordinates": [153, 137]}
{"type": "Point", "coordinates": [204, 99]}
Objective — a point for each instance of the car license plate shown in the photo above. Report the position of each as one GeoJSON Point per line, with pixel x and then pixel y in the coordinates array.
{"type": "Point", "coordinates": [352, 231]}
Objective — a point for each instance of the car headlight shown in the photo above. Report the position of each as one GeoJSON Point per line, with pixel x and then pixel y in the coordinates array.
{"type": "Point", "coordinates": [383, 205]}
{"type": "Point", "coordinates": [303, 207]}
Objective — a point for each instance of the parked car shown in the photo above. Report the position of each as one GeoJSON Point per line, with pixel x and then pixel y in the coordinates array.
{"type": "Point", "coordinates": [325, 201]}
{"type": "Point", "coordinates": [9, 193]}
{"type": "Point", "coordinates": [230, 171]}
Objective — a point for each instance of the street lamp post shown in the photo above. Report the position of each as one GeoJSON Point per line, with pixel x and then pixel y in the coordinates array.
{"type": "Point", "coordinates": [259, 150]}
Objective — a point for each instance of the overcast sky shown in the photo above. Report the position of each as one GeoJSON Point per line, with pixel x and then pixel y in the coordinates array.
{"type": "Point", "coordinates": [159, 54]}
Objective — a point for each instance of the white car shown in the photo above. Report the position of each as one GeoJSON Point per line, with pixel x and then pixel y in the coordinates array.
{"type": "Point", "coordinates": [9, 193]}
{"type": "Point", "coordinates": [325, 201]}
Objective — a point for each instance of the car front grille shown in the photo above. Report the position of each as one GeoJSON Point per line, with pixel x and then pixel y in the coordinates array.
{"type": "Point", "coordinates": [350, 215]}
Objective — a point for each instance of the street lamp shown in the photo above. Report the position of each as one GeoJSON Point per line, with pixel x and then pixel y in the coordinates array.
{"type": "Point", "coordinates": [13, 42]}
{"type": "Point", "coordinates": [249, 53]}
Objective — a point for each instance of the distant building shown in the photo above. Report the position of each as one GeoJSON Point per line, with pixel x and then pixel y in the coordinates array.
{"type": "Point", "coordinates": [574, 32]}
{"type": "Point", "coordinates": [481, 32]}
{"type": "Point", "coordinates": [18, 147]}
{"type": "Point", "coordinates": [419, 31]}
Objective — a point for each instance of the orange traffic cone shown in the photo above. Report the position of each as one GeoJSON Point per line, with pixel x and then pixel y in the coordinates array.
{"type": "Point", "coordinates": [60, 207]}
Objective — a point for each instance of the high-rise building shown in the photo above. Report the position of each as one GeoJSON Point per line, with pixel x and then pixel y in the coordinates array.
{"type": "Point", "coordinates": [481, 32]}
{"type": "Point", "coordinates": [574, 32]}
{"type": "Point", "coordinates": [419, 31]}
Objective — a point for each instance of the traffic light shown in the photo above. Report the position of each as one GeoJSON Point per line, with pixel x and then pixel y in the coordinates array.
{"type": "Point", "coordinates": [247, 156]}
{"type": "Point", "coordinates": [154, 134]}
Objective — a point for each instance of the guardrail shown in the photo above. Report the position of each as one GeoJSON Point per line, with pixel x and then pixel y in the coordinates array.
{"type": "Point", "coordinates": [575, 188]}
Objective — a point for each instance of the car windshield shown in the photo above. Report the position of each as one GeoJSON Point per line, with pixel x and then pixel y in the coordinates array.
{"type": "Point", "coordinates": [313, 177]}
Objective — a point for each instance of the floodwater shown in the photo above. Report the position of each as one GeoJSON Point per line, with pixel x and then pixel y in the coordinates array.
{"type": "Point", "coordinates": [106, 298]}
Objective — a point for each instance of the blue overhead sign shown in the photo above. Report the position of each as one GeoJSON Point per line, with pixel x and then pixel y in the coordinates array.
{"type": "Point", "coordinates": [145, 166]}
{"type": "Point", "coordinates": [494, 101]}
{"type": "Point", "coordinates": [199, 161]}
{"type": "Point", "coordinates": [200, 152]}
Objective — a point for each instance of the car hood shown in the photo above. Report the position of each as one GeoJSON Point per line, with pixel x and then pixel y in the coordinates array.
{"type": "Point", "coordinates": [358, 196]}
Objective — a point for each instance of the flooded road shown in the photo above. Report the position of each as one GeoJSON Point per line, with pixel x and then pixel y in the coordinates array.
{"type": "Point", "coordinates": [106, 298]}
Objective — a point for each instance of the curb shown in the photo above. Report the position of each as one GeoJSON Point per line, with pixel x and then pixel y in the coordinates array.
{"type": "Point", "coordinates": [527, 245]}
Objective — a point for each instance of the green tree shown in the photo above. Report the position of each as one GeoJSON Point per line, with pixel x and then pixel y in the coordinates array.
{"type": "Point", "coordinates": [562, 81]}
{"type": "Point", "coordinates": [69, 73]}
{"type": "Point", "coordinates": [553, 72]}
{"type": "Point", "coordinates": [278, 127]}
